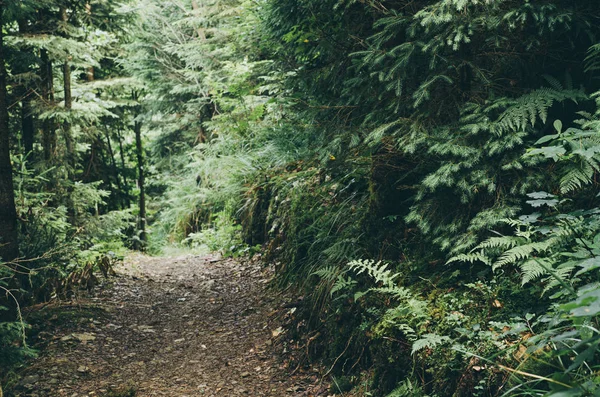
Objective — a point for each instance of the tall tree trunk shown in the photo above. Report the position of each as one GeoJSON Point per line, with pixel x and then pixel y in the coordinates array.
{"type": "Point", "coordinates": [48, 127]}
{"type": "Point", "coordinates": [90, 74]}
{"type": "Point", "coordinates": [9, 248]}
{"type": "Point", "coordinates": [124, 169]}
{"type": "Point", "coordinates": [67, 133]}
{"type": "Point", "coordinates": [27, 128]}
{"type": "Point", "coordinates": [137, 127]}
{"type": "Point", "coordinates": [115, 170]}
{"type": "Point", "coordinates": [68, 106]}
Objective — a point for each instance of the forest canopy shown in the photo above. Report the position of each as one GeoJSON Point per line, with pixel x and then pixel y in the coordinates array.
{"type": "Point", "coordinates": [423, 173]}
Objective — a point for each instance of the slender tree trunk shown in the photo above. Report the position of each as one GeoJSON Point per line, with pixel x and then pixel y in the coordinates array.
{"type": "Point", "coordinates": [9, 248]}
{"type": "Point", "coordinates": [68, 134]}
{"type": "Point", "coordinates": [48, 127]}
{"type": "Point", "coordinates": [137, 127]}
{"type": "Point", "coordinates": [90, 74]}
{"type": "Point", "coordinates": [115, 170]}
{"type": "Point", "coordinates": [27, 128]}
{"type": "Point", "coordinates": [66, 125]}
{"type": "Point", "coordinates": [124, 170]}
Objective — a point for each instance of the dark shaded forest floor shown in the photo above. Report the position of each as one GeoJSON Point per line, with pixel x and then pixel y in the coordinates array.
{"type": "Point", "coordinates": [186, 326]}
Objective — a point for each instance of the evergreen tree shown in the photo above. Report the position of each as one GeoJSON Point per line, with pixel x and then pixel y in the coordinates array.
{"type": "Point", "coordinates": [9, 248]}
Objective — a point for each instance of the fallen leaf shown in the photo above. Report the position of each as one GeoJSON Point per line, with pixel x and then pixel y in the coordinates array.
{"type": "Point", "coordinates": [277, 332]}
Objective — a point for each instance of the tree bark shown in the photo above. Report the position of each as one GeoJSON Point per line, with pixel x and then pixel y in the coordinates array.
{"type": "Point", "coordinates": [48, 127]}
{"type": "Point", "coordinates": [124, 169]}
{"type": "Point", "coordinates": [137, 127]}
{"type": "Point", "coordinates": [67, 133]}
{"type": "Point", "coordinates": [90, 74]}
{"type": "Point", "coordinates": [115, 170]}
{"type": "Point", "coordinates": [9, 248]}
{"type": "Point", "coordinates": [27, 128]}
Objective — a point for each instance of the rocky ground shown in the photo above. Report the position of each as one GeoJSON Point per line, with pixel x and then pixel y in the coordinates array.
{"type": "Point", "coordinates": [186, 326]}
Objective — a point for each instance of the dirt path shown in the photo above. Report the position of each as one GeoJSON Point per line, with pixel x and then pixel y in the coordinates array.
{"type": "Point", "coordinates": [186, 326]}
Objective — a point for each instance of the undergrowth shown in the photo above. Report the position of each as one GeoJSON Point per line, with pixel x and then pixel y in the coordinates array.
{"type": "Point", "coordinates": [423, 174]}
{"type": "Point", "coordinates": [57, 263]}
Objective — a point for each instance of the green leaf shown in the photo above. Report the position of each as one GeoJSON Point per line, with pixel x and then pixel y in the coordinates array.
{"type": "Point", "coordinates": [540, 195]}
{"type": "Point", "coordinates": [546, 138]}
{"type": "Point", "coordinates": [549, 152]}
{"type": "Point", "coordinates": [575, 392]}
{"type": "Point", "coordinates": [558, 126]}
{"type": "Point", "coordinates": [589, 265]}
{"type": "Point", "coordinates": [587, 303]}
{"type": "Point", "coordinates": [541, 199]}
{"type": "Point", "coordinates": [539, 203]}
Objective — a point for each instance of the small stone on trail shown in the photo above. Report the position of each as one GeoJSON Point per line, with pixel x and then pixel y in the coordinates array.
{"type": "Point", "coordinates": [84, 337]}
{"type": "Point", "coordinates": [30, 380]}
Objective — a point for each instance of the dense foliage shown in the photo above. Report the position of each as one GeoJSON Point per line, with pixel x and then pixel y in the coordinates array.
{"type": "Point", "coordinates": [67, 138]}
{"type": "Point", "coordinates": [424, 173]}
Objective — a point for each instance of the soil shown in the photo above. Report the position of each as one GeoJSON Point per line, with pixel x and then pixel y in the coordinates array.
{"type": "Point", "coordinates": [185, 326]}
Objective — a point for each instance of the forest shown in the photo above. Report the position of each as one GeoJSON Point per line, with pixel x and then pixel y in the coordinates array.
{"type": "Point", "coordinates": [422, 175]}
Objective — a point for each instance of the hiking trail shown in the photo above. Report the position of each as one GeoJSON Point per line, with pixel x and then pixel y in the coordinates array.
{"type": "Point", "coordinates": [183, 326]}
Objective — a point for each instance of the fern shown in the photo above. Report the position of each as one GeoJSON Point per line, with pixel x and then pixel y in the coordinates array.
{"type": "Point", "coordinates": [406, 389]}
{"type": "Point", "coordinates": [576, 176]}
{"type": "Point", "coordinates": [428, 341]}
{"type": "Point", "coordinates": [577, 152]}
{"type": "Point", "coordinates": [527, 109]}
{"type": "Point", "coordinates": [592, 61]}
{"type": "Point", "coordinates": [471, 257]}
{"type": "Point", "coordinates": [376, 270]}
{"type": "Point", "coordinates": [396, 292]}
{"type": "Point", "coordinates": [342, 284]}
{"type": "Point", "coordinates": [327, 273]}
{"type": "Point", "coordinates": [532, 270]}
{"type": "Point", "coordinates": [504, 242]}
{"type": "Point", "coordinates": [522, 252]}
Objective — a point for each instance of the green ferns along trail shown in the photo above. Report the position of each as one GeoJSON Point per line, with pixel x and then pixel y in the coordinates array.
{"type": "Point", "coordinates": [422, 174]}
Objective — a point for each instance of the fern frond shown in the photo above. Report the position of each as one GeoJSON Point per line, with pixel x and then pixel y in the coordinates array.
{"type": "Point", "coordinates": [560, 276]}
{"type": "Point", "coordinates": [377, 270]}
{"type": "Point", "coordinates": [471, 258]}
{"type": "Point", "coordinates": [406, 389]}
{"type": "Point", "coordinates": [342, 284]}
{"type": "Point", "coordinates": [399, 293]}
{"type": "Point", "coordinates": [532, 270]}
{"type": "Point", "coordinates": [529, 108]}
{"type": "Point", "coordinates": [578, 175]}
{"type": "Point", "coordinates": [554, 83]}
{"type": "Point", "coordinates": [428, 341]}
{"type": "Point", "coordinates": [504, 242]}
{"type": "Point", "coordinates": [522, 252]}
{"type": "Point", "coordinates": [328, 273]}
